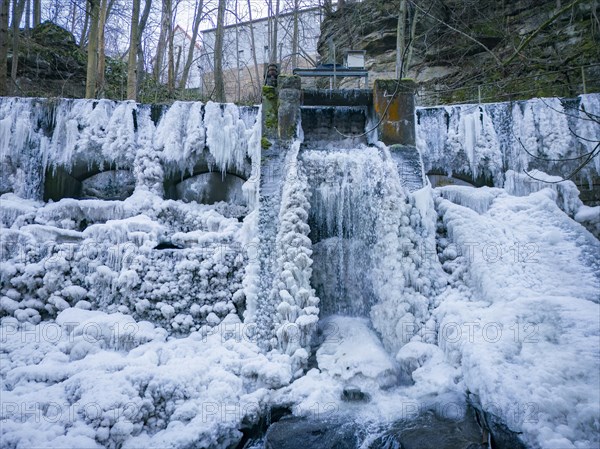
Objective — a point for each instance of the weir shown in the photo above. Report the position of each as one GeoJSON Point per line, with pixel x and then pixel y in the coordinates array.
{"type": "Point", "coordinates": [329, 145]}
{"type": "Point", "coordinates": [298, 252]}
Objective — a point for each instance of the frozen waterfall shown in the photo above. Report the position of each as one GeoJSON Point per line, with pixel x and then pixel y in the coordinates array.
{"type": "Point", "coordinates": [167, 279]}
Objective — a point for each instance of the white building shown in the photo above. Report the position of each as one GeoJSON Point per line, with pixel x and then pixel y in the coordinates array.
{"type": "Point", "coordinates": [181, 44]}
{"type": "Point", "coordinates": [238, 62]}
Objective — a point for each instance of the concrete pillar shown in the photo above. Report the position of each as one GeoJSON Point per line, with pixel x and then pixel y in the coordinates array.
{"type": "Point", "coordinates": [288, 112]}
{"type": "Point", "coordinates": [269, 112]}
{"type": "Point", "coordinates": [398, 124]}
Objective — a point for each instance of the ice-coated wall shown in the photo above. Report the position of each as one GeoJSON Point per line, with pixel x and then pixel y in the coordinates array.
{"type": "Point", "coordinates": [484, 141]}
{"type": "Point", "coordinates": [86, 137]}
{"type": "Point", "coordinates": [178, 264]}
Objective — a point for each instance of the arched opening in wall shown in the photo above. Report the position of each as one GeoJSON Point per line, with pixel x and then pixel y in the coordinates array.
{"type": "Point", "coordinates": [108, 185]}
{"type": "Point", "coordinates": [589, 193]}
{"type": "Point", "coordinates": [440, 178]}
{"type": "Point", "coordinates": [207, 188]}
{"type": "Point", "coordinates": [88, 183]}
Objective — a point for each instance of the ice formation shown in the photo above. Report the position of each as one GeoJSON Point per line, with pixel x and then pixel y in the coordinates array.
{"type": "Point", "coordinates": [132, 316]}
{"type": "Point", "coordinates": [485, 140]}
{"type": "Point", "coordinates": [520, 313]}
{"type": "Point", "coordinates": [297, 311]}
{"type": "Point", "coordinates": [111, 250]}
{"type": "Point", "coordinates": [371, 241]}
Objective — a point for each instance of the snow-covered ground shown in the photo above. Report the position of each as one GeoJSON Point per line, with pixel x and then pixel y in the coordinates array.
{"type": "Point", "coordinates": [132, 323]}
{"type": "Point", "coordinates": [91, 379]}
{"type": "Point", "coordinates": [521, 314]}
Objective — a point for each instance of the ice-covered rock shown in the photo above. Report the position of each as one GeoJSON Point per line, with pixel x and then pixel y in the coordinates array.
{"type": "Point", "coordinates": [353, 353]}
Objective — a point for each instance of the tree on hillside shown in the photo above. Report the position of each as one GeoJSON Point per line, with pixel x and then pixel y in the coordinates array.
{"type": "Point", "coordinates": [133, 50]}
{"type": "Point", "coordinates": [400, 38]}
{"type": "Point", "coordinates": [4, 7]}
{"type": "Point", "coordinates": [92, 53]}
{"type": "Point", "coordinates": [218, 54]}
{"type": "Point", "coordinates": [140, 72]}
{"type": "Point", "coordinates": [105, 8]}
{"type": "Point", "coordinates": [37, 12]}
{"type": "Point", "coordinates": [86, 23]}
{"type": "Point", "coordinates": [274, 14]}
{"type": "Point", "coordinates": [27, 12]}
{"type": "Point", "coordinates": [18, 8]}
{"type": "Point", "coordinates": [32, 8]}
{"type": "Point", "coordinates": [258, 81]}
{"type": "Point", "coordinates": [295, 34]}
{"type": "Point", "coordinates": [404, 38]}
{"type": "Point", "coordinates": [166, 25]}
{"type": "Point", "coordinates": [171, 52]}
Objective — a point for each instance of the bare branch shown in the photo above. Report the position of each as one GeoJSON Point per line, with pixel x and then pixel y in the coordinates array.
{"type": "Point", "coordinates": [594, 153]}
{"type": "Point", "coordinates": [462, 33]}
{"type": "Point", "coordinates": [540, 28]}
{"type": "Point", "coordinates": [555, 160]}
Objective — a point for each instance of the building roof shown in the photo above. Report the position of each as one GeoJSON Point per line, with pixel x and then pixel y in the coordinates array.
{"type": "Point", "coordinates": [188, 36]}
{"type": "Point", "coordinates": [262, 19]}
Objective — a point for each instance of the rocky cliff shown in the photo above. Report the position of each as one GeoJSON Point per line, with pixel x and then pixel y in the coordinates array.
{"type": "Point", "coordinates": [463, 50]}
{"type": "Point", "coordinates": [51, 64]}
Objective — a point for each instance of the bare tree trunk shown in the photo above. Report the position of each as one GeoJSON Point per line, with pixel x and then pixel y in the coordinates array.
{"type": "Point", "coordinates": [218, 72]}
{"type": "Point", "coordinates": [73, 14]}
{"type": "Point", "coordinates": [267, 56]}
{"type": "Point", "coordinates": [101, 47]}
{"type": "Point", "coordinates": [171, 58]}
{"type": "Point", "coordinates": [190, 55]}
{"type": "Point", "coordinates": [37, 12]}
{"type": "Point", "coordinates": [327, 7]}
{"type": "Point", "coordinates": [27, 17]}
{"type": "Point", "coordinates": [411, 44]}
{"type": "Point", "coordinates": [86, 23]}
{"type": "Point", "coordinates": [237, 56]}
{"type": "Point", "coordinates": [165, 23]}
{"type": "Point", "coordinates": [295, 36]}
{"type": "Point", "coordinates": [18, 7]}
{"type": "Point", "coordinates": [400, 38]}
{"type": "Point", "coordinates": [273, 58]}
{"type": "Point", "coordinates": [177, 63]}
{"type": "Point", "coordinates": [4, 7]}
{"type": "Point", "coordinates": [92, 62]}
{"type": "Point", "coordinates": [253, 43]}
{"type": "Point", "coordinates": [140, 49]}
{"type": "Point", "coordinates": [132, 63]}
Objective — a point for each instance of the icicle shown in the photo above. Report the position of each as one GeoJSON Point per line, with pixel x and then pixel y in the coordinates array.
{"type": "Point", "coordinates": [225, 135]}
